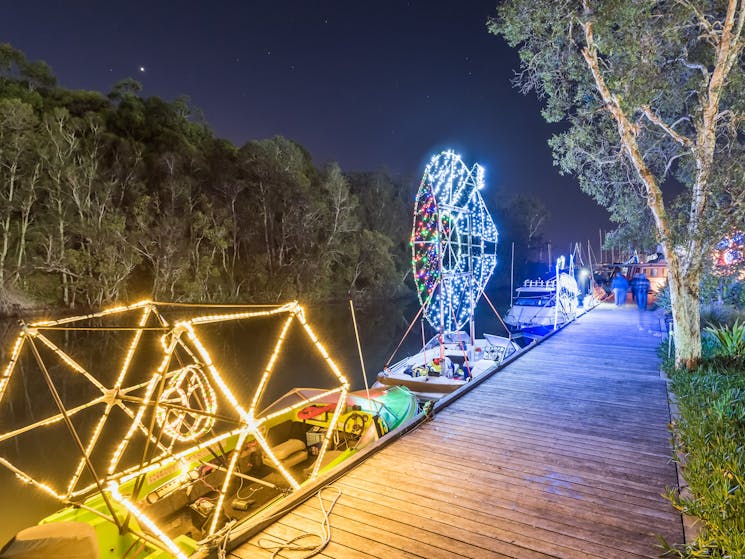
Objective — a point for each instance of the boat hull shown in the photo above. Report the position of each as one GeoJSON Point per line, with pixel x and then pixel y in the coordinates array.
{"type": "Point", "coordinates": [521, 317]}
{"type": "Point", "coordinates": [420, 386]}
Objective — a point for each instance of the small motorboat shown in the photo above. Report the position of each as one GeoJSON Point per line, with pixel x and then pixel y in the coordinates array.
{"type": "Point", "coordinates": [444, 366]}
{"type": "Point", "coordinates": [454, 247]}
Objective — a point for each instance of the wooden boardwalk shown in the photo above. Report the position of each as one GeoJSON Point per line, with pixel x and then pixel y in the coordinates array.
{"type": "Point", "coordinates": [563, 453]}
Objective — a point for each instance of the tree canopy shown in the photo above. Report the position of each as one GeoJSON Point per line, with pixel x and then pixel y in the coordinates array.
{"type": "Point", "coordinates": [105, 197]}
{"type": "Point", "coordinates": [651, 96]}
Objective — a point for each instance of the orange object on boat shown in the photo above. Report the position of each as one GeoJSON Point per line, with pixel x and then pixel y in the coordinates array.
{"type": "Point", "coordinates": [315, 410]}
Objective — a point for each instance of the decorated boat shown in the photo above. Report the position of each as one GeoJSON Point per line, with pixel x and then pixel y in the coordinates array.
{"type": "Point", "coordinates": [443, 366]}
{"type": "Point", "coordinates": [543, 304]}
{"type": "Point", "coordinates": [454, 244]}
{"type": "Point", "coordinates": [172, 454]}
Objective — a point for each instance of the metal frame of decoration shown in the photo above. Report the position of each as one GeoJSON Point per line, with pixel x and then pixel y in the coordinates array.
{"type": "Point", "coordinates": [184, 399]}
{"type": "Point", "coordinates": [453, 242]}
{"type": "Point", "coordinates": [565, 298]}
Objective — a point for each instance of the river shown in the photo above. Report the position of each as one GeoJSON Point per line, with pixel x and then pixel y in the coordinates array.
{"type": "Point", "coordinates": [240, 351]}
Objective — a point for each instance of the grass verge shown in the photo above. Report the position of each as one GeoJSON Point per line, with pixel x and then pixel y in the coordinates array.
{"type": "Point", "coordinates": [709, 439]}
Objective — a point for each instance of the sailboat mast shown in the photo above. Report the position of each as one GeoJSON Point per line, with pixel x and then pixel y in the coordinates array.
{"type": "Point", "coordinates": [471, 282]}
{"type": "Point", "coordinates": [556, 297]}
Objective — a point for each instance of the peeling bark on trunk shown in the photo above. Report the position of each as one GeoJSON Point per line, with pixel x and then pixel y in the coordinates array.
{"type": "Point", "coordinates": [684, 296]}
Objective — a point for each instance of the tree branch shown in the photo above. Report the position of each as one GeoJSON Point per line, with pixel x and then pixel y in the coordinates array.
{"type": "Point", "coordinates": [678, 138]}
{"type": "Point", "coordinates": [702, 21]}
{"type": "Point", "coordinates": [671, 161]}
{"type": "Point", "coordinates": [695, 66]}
{"type": "Point", "coordinates": [727, 52]}
{"type": "Point", "coordinates": [627, 132]}
{"type": "Point", "coordinates": [737, 35]}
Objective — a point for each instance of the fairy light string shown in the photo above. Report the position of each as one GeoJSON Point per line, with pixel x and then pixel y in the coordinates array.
{"type": "Point", "coordinates": [174, 411]}
{"type": "Point", "coordinates": [453, 241]}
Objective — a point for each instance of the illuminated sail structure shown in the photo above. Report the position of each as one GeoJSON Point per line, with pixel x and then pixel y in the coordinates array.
{"type": "Point", "coordinates": [154, 413]}
{"type": "Point", "coordinates": [453, 241]}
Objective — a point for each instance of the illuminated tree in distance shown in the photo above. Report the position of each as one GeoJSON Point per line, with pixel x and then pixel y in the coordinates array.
{"type": "Point", "coordinates": [729, 254]}
{"type": "Point", "coordinates": [453, 241]}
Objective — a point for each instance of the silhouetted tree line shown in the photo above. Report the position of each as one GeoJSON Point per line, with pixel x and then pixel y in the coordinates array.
{"type": "Point", "coordinates": [109, 197]}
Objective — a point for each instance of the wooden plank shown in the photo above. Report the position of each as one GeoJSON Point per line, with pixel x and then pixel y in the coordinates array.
{"type": "Point", "coordinates": [471, 539]}
{"type": "Point", "coordinates": [540, 532]}
{"type": "Point", "coordinates": [514, 506]}
{"type": "Point", "coordinates": [394, 533]}
{"type": "Point", "coordinates": [503, 423]}
{"type": "Point", "coordinates": [342, 546]}
{"type": "Point", "coordinates": [488, 453]}
{"type": "Point", "coordinates": [532, 489]}
{"type": "Point", "coordinates": [573, 448]}
{"type": "Point", "coordinates": [603, 485]}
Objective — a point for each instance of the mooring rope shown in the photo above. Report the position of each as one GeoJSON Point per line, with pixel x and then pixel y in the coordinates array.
{"type": "Point", "coordinates": [402, 339]}
{"type": "Point", "coordinates": [277, 545]}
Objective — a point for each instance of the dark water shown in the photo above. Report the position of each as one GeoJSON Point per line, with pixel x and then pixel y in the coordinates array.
{"type": "Point", "coordinates": [239, 350]}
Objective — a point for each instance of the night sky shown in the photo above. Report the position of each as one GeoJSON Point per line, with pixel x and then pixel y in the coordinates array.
{"type": "Point", "coordinates": [368, 84]}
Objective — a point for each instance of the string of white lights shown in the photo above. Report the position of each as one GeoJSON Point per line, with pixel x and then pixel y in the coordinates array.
{"type": "Point", "coordinates": [193, 386]}
{"type": "Point", "coordinates": [454, 241]}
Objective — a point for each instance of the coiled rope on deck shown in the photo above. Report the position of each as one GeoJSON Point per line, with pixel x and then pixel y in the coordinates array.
{"type": "Point", "coordinates": [277, 545]}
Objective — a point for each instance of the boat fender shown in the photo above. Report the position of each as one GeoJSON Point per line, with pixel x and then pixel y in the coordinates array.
{"type": "Point", "coordinates": [429, 410]}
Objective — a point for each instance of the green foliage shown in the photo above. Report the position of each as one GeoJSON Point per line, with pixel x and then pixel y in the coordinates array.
{"type": "Point", "coordinates": [730, 342]}
{"type": "Point", "coordinates": [716, 314]}
{"type": "Point", "coordinates": [650, 94]}
{"type": "Point", "coordinates": [710, 434]}
{"type": "Point", "coordinates": [103, 197]}
{"type": "Point", "coordinates": [652, 54]}
{"type": "Point", "coordinates": [662, 299]}
{"type": "Point", "coordinates": [735, 294]}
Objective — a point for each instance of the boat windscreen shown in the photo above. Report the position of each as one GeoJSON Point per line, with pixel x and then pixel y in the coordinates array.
{"type": "Point", "coordinates": [457, 337]}
{"type": "Point", "coordinates": [536, 300]}
{"type": "Point", "coordinates": [496, 341]}
{"type": "Point", "coordinates": [293, 398]}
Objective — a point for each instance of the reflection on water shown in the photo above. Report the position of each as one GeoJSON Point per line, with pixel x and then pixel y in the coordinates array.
{"type": "Point", "coordinates": [240, 352]}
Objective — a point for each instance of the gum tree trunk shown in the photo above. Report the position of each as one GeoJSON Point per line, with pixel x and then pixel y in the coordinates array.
{"type": "Point", "coordinates": [684, 275]}
{"type": "Point", "coordinates": [684, 296]}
